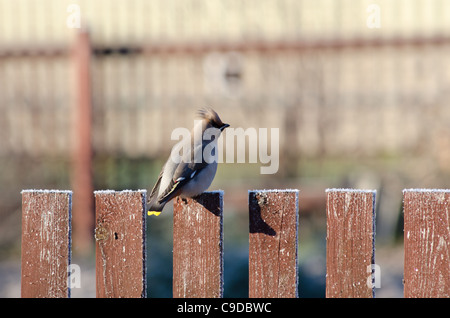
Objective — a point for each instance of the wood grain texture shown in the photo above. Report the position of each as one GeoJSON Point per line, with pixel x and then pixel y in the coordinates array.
{"type": "Point", "coordinates": [427, 239]}
{"type": "Point", "coordinates": [120, 244]}
{"type": "Point", "coordinates": [350, 243]}
{"type": "Point", "coordinates": [273, 217]}
{"type": "Point", "coordinates": [46, 240]}
{"type": "Point", "coordinates": [198, 246]}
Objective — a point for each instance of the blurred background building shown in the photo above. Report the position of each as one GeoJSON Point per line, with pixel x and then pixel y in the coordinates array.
{"type": "Point", "coordinates": [359, 90]}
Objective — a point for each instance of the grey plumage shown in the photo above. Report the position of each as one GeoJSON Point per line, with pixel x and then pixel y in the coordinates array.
{"type": "Point", "coordinates": [190, 176]}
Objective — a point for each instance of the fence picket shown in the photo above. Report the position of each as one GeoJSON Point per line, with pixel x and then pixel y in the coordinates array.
{"type": "Point", "coordinates": [198, 246]}
{"type": "Point", "coordinates": [46, 240]}
{"type": "Point", "coordinates": [120, 243]}
{"type": "Point", "coordinates": [273, 243]}
{"type": "Point", "coordinates": [350, 243]}
{"type": "Point", "coordinates": [427, 239]}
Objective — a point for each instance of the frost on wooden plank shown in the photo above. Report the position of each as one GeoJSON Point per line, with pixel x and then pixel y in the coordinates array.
{"type": "Point", "coordinates": [198, 246]}
{"type": "Point", "coordinates": [120, 243]}
{"type": "Point", "coordinates": [273, 227]}
{"type": "Point", "coordinates": [427, 239]}
{"type": "Point", "coordinates": [46, 243]}
{"type": "Point", "coordinates": [350, 242]}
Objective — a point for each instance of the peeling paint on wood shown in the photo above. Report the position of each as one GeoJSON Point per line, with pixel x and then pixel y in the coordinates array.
{"type": "Point", "coordinates": [46, 242]}
{"type": "Point", "coordinates": [198, 246]}
{"type": "Point", "coordinates": [120, 244]}
{"type": "Point", "coordinates": [273, 217]}
{"type": "Point", "coordinates": [427, 239]}
{"type": "Point", "coordinates": [350, 242]}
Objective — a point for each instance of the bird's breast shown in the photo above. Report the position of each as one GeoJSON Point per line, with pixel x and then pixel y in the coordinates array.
{"type": "Point", "coordinates": [200, 182]}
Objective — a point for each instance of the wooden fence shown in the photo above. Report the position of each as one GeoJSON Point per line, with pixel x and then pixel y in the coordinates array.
{"type": "Point", "coordinates": [198, 243]}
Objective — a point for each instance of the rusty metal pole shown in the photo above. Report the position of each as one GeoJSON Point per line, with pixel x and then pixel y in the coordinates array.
{"type": "Point", "coordinates": [81, 170]}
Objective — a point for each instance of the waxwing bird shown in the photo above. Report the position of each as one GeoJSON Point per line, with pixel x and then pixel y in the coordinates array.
{"type": "Point", "coordinates": [192, 172]}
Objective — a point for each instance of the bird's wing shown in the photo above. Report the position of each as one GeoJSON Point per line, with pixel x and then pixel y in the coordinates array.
{"type": "Point", "coordinates": [184, 173]}
{"type": "Point", "coordinates": [155, 189]}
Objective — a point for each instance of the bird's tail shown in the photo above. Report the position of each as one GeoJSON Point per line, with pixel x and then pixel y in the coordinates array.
{"type": "Point", "coordinates": [155, 208]}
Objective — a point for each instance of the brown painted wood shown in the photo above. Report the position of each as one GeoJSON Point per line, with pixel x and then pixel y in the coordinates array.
{"type": "Point", "coordinates": [46, 239]}
{"type": "Point", "coordinates": [273, 217]}
{"type": "Point", "coordinates": [427, 243]}
{"type": "Point", "coordinates": [120, 244]}
{"type": "Point", "coordinates": [350, 243]}
{"type": "Point", "coordinates": [198, 246]}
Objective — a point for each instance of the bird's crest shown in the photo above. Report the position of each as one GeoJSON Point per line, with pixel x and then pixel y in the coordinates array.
{"type": "Point", "coordinates": [211, 116]}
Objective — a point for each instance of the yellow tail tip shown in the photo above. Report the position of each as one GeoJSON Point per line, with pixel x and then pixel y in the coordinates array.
{"type": "Point", "coordinates": [153, 213]}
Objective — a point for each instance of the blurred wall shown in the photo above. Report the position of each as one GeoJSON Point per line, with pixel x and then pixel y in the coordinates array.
{"type": "Point", "coordinates": [334, 99]}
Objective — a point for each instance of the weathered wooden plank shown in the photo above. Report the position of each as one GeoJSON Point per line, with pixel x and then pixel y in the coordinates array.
{"type": "Point", "coordinates": [273, 217]}
{"type": "Point", "coordinates": [350, 242]}
{"type": "Point", "coordinates": [198, 246]}
{"type": "Point", "coordinates": [46, 240]}
{"type": "Point", "coordinates": [427, 240]}
{"type": "Point", "coordinates": [120, 244]}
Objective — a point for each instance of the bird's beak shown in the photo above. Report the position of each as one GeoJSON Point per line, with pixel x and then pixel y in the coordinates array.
{"type": "Point", "coordinates": [224, 126]}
